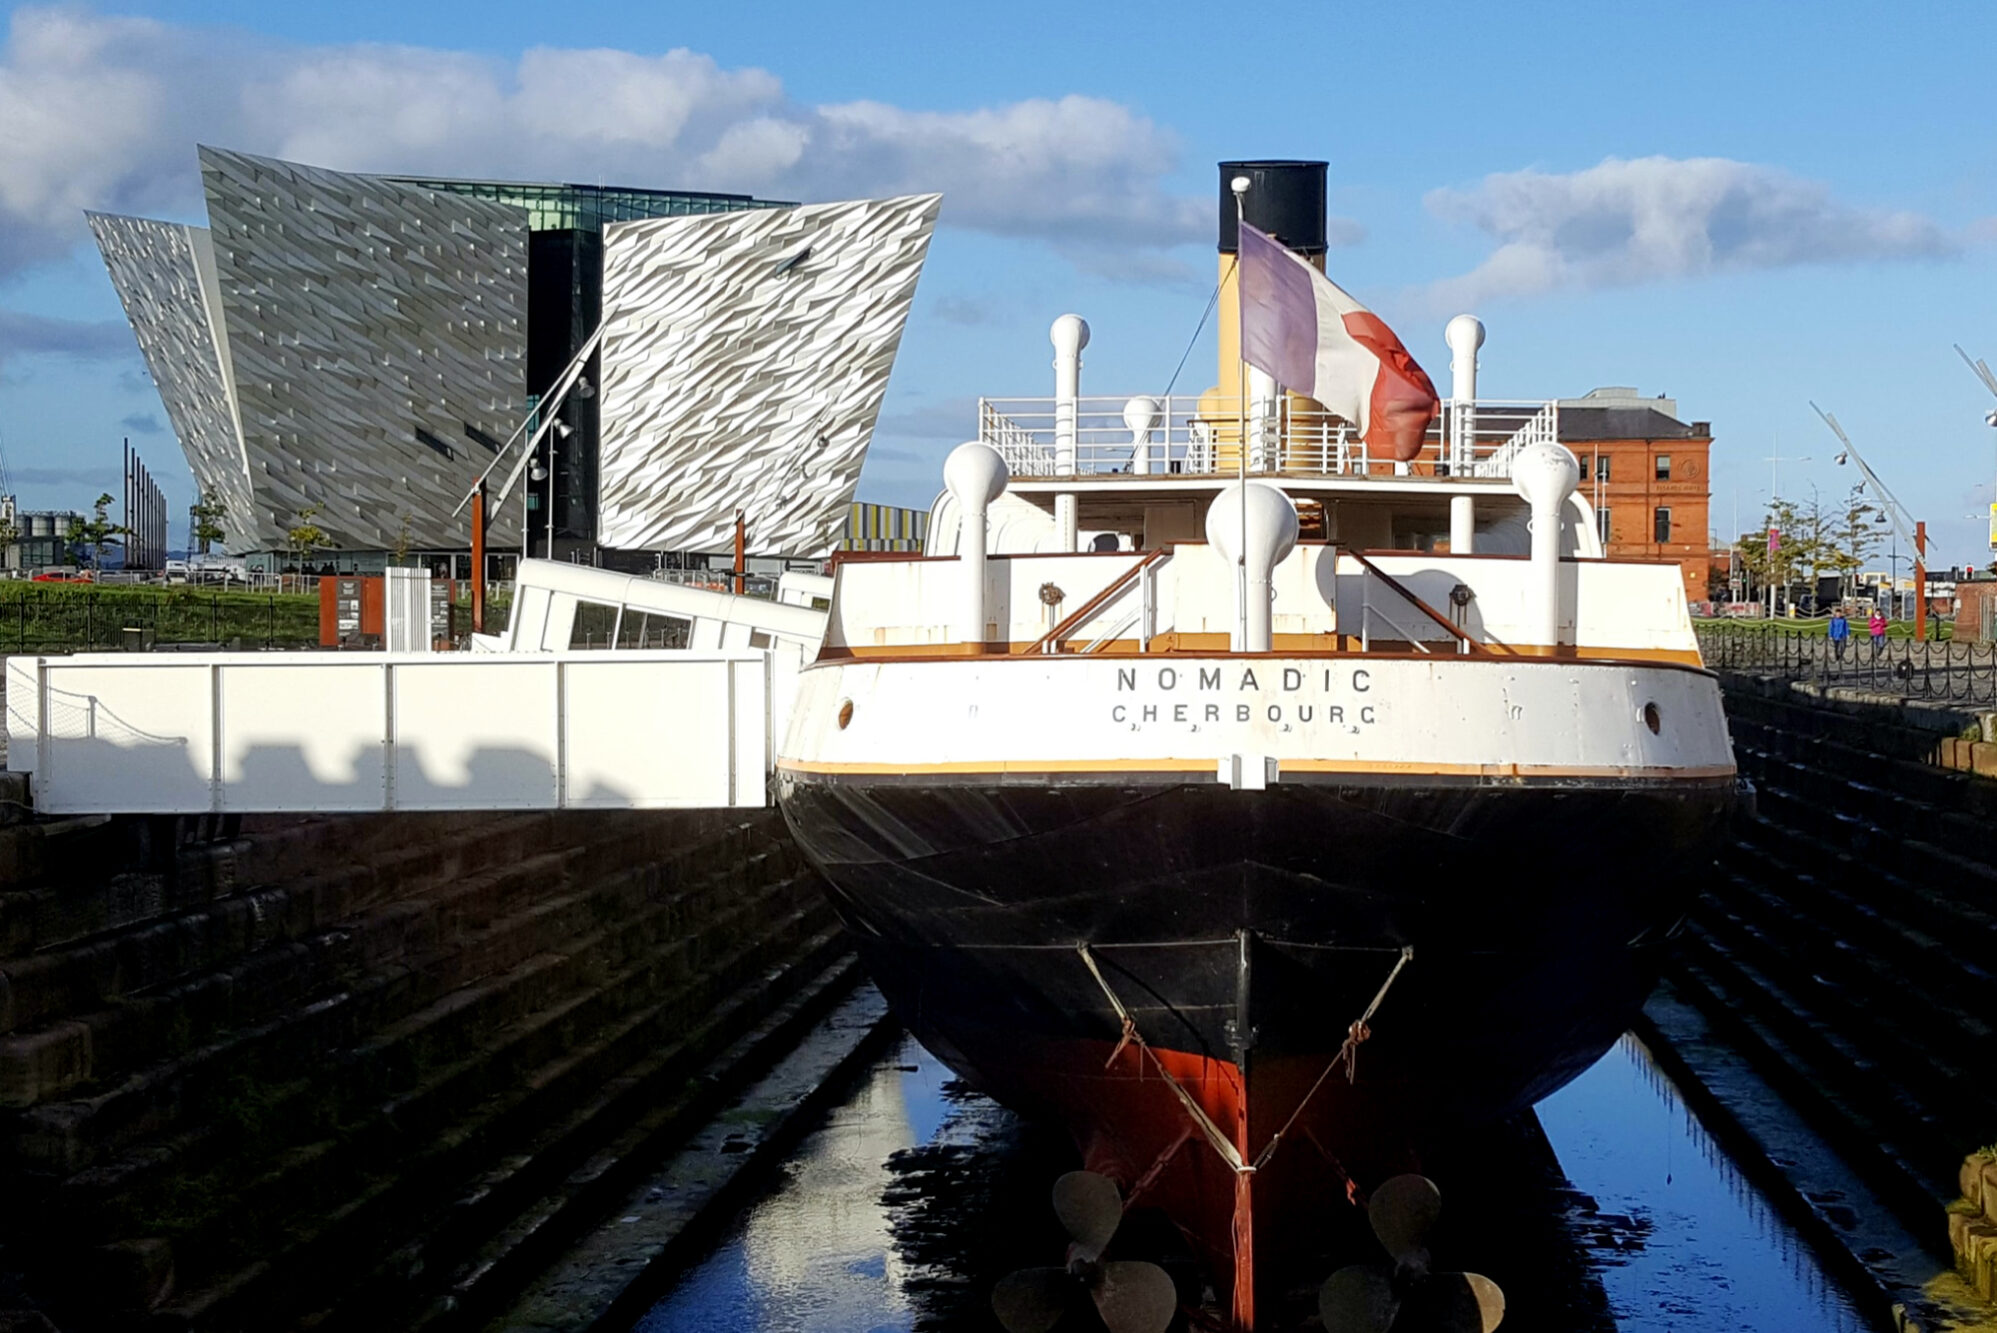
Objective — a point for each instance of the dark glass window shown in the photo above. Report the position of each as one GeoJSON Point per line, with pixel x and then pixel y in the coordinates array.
{"type": "Point", "coordinates": [1602, 523]}
{"type": "Point", "coordinates": [1664, 467]}
{"type": "Point", "coordinates": [1601, 467]}
{"type": "Point", "coordinates": [1663, 525]}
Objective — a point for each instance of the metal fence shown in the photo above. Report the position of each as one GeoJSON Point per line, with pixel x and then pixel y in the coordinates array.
{"type": "Point", "coordinates": [1954, 672]}
{"type": "Point", "coordinates": [72, 619]}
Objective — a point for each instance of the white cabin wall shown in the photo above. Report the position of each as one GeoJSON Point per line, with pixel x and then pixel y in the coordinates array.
{"type": "Point", "coordinates": [1638, 606]}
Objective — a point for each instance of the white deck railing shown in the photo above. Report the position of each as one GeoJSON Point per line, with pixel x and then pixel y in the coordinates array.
{"type": "Point", "coordinates": [1200, 436]}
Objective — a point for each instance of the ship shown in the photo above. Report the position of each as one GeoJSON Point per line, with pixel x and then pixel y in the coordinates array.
{"type": "Point", "coordinates": [1256, 802]}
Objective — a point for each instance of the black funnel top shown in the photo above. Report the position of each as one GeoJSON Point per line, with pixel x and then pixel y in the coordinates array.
{"type": "Point", "coordinates": [1285, 199]}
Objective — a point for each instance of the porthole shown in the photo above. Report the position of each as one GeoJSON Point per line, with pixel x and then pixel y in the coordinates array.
{"type": "Point", "coordinates": [1652, 718]}
{"type": "Point", "coordinates": [846, 715]}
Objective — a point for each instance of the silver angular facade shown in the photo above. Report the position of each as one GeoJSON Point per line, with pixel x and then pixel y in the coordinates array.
{"type": "Point", "coordinates": [164, 274]}
{"type": "Point", "coordinates": [372, 327]}
{"type": "Point", "coordinates": [332, 340]}
{"type": "Point", "coordinates": [744, 361]}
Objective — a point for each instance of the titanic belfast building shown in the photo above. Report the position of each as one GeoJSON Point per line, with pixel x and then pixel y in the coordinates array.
{"type": "Point", "coordinates": [361, 348]}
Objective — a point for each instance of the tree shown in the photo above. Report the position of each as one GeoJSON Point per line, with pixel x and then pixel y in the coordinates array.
{"type": "Point", "coordinates": [1853, 539]}
{"type": "Point", "coordinates": [402, 542]}
{"type": "Point", "coordinates": [205, 527]}
{"type": "Point", "coordinates": [1792, 545]}
{"type": "Point", "coordinates": [305, 536]}
{"type": "Point", "coordinates": [96, 533]}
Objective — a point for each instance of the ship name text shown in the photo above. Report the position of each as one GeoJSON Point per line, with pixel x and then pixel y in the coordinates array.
{"type": "Point", "coordinates": [1285, 696]}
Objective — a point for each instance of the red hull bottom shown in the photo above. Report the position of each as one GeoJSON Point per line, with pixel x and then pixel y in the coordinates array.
{"type": "Point", "coordinates": [1309, 1153]}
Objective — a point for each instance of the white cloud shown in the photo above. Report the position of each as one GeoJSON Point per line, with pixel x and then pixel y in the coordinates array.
{"type": "Point", "coordinates": [104, 112]}
{"type": "Point", "coordinates": [1629, 221]}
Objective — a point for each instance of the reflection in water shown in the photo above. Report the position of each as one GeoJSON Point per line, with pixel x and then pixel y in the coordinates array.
{"type": "Point", "coordinates": [1683, 1241]}
{"type": "Point", "coordinates": [816, 1255]}
{"type": "Point", "coordinates": [900, 1212]}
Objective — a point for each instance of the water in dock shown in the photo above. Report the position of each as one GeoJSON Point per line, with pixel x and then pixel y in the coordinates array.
{"type": "Point", "coordinates": [915, 1195]}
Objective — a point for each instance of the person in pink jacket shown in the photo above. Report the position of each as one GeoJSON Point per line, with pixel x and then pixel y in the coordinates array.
{"type": "Point", "coordinates": [1878, 627]}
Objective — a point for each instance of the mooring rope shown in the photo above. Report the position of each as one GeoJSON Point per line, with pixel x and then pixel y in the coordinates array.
{"type": "Point", "coordinates": [1221, 1143]}
{"type": "Point", "coordinates": [1348, 1055]}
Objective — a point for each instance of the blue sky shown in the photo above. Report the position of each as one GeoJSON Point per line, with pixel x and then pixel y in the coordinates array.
{"type": "Point", "coordinates": [1744, 206]}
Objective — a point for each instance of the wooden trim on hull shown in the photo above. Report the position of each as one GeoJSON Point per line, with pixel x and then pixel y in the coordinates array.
{"type": "Point", "coordinates": [1174, 769]}
{"type": "Point", "coordinates": [1341, 647]}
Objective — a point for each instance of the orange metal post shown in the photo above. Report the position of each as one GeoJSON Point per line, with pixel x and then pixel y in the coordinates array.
{"type": "Point", "coordinates": [478, 559]}
{"type": "Point", "coordinates": [1921, 581]}
{"type": "Point", "coordinates": [741, 543]}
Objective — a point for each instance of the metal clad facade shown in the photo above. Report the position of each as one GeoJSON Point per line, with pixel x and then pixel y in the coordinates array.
{"type": "Point", "coordinates": [744, 361]}
{"type": "Point", "coordinates": [156, 270]}
{"type": "Point", "coordinates": [369, 324]}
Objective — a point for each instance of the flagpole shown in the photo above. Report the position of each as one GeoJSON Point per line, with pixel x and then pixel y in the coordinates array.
{"type": "Point", "coordinates": [1240, 187]}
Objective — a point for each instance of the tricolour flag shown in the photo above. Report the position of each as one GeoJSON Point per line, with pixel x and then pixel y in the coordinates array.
{"type": "Point", "coordinates": [1308, 332]}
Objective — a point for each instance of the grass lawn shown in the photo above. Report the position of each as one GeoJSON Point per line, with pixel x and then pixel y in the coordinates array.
{"type": "Point", "coordinates": [76, 617]}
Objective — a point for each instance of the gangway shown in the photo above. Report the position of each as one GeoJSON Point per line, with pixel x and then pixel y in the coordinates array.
{"type": "Point", "coordinates": [527, 723]}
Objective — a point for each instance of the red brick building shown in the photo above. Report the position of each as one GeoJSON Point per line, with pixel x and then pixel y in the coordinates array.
{"type": "Point", "coordinates": [1646, 474]}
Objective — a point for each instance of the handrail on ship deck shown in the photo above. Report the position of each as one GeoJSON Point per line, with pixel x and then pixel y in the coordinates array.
{"type": "Point", "coordinates": [1469, 645]}
{"type": "Point", "coordinates": [1047, 642]}
{"type": "Point", "coordinates": [1201, 435]}
{"type": "Point", "coordinates": [1050, 641]}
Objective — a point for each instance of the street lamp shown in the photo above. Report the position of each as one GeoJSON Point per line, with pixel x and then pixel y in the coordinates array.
{"type": "Point", "coordinates": [537, 473]}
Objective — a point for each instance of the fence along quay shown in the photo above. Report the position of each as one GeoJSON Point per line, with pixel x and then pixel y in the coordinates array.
{"type": "Point", "coordinates": [1945, 671]}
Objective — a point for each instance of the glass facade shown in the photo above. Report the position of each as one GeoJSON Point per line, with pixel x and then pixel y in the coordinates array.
{"type": "Point", "coordinates": [588, 207]}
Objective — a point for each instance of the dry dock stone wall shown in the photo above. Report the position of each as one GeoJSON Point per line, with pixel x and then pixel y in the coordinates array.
{"type": "Point", "coordinates": [1848, 944]}
{"type": "Point", "coordinates": [298, 1071]}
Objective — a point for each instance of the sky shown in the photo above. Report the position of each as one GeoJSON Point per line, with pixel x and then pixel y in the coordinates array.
{"type": "Point", "coordinates": [1745, 207]}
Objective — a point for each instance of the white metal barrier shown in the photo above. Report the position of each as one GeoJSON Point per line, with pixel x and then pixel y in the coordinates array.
{"type": "Point", "coordinates": [359, 732]}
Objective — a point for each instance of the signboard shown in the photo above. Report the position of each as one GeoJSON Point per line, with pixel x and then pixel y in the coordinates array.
{"type": "Point", "coordinates": [1993, 525]}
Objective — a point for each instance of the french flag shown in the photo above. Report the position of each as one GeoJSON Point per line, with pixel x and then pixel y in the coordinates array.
{"type": "Point", "coordinates": [1314, 339]}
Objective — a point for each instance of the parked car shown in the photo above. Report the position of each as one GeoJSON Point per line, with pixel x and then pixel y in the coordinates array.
{"type": "Point", "coordinates": [51, 576]}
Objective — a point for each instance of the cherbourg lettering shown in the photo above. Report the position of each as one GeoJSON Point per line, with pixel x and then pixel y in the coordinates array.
{"type": "Point", "coordinates": [1292, 696]}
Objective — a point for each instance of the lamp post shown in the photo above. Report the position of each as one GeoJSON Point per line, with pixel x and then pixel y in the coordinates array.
{"type": "Point", "coordinates": [562, 431]}
{"type": "Point", "coordinates": [535, 473]}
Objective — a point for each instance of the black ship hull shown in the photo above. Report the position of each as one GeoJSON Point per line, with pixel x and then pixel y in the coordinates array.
{"type": "Point", "coordinates": [1244, 934]}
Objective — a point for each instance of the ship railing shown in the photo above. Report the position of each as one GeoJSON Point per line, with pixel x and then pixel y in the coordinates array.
{"type": "Point", "coordinates": [1474, 423]}
{"type": "Point", "coordinates": [1368, 612]}
{"type": "Point", "coordinates": [1204, 435]}
{"type": "Point", "coordinates": [1142, 576]}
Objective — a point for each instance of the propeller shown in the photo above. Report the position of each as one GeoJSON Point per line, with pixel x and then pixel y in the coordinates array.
{"type": "Point", "coordinates": [1407, 1297]}
{"type": "Point", "coordinates": [1130, 1295]}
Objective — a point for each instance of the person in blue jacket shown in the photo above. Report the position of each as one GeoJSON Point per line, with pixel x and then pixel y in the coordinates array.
{"type": "Point", "coordinates": [1840, 632]}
